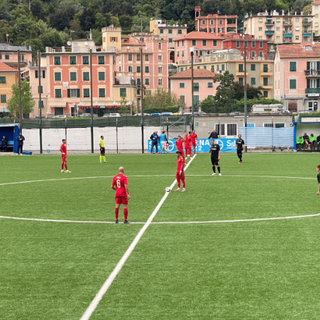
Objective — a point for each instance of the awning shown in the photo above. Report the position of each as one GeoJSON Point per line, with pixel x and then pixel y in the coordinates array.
{"type": "Point", "coordinates": [58, 104]}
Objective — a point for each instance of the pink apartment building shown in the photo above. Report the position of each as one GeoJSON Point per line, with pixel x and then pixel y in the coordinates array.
{"type": "Point", "coordinates": [9, 55]}
{"type": "Point", "coordinates": [154, 61]}
{"type": "Point", "coordinates": [203, 85]}
{"type": "Point", "coordinates": [297, 76]}
{"type": "Point", "coordinates": [201, 42]}
{"type": "Point", "coordinates": [68, 76]}
{"type": "Point", "coordinates": [214, 23]}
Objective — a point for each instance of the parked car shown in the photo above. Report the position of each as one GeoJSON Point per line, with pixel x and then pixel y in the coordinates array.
{"type": "Point", "coordinates": [60, 116]}
{"type": "Point", "coordinates": [111, 115]}
{"type": "Point", "coordinates": [85, 115]}
{"type": "Point", "coordinates": [166, 113]}
{"type": "Point", "coordinates": [155, 114]}
{"type": "Point", "coordinates": [144, 114]}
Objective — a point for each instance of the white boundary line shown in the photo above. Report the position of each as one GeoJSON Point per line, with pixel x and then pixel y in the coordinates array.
{"type": "Point", "coordinates": [124, 258]}
{"type": "Point", "coordinates": [165, 222]}
{"type": "Point", "coordinates": [151, 176]}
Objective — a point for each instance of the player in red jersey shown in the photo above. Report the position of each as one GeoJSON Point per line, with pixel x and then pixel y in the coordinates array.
{"type": "Point", "coordinates": [187, 144]}
{"type": "Point", "coordinates": [120, 185]}
{"type": "Point", "coordinates": [180, 172]}
{"type": "Point", "coordinates": [194, 141]}
{"type": "Point", "coordinates": [179, 144]}
{"type": "Point", "coordinates": [63, 150]}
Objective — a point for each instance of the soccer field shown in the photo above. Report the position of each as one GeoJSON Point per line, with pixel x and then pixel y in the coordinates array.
{"type": "Point", "coordinates": [243, 245]}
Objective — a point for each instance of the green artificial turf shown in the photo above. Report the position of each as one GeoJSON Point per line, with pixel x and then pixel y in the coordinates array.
{"type": "Point", "coordinates": [235, 270]}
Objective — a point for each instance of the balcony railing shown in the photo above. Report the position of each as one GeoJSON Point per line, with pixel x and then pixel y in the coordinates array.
{"type": "Point", "coordinates": [306, 23]}
{"type": "Point", "coordinates": [269, 32]}
{"type": "Point", "coordinates": [269, 23]}
{"type": "Point", "coordinates": [312, 90]}
{"type": "Point", "coordinates": [287, 34]}
{"type": "Point", "coordinates": [312, 73]}
{"type": "Point", "coordinates": [306, 34]}
{"type": "Point", "coordinates": [287, 23]}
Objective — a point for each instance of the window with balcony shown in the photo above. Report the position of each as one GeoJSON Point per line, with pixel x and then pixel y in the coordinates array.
{"type": "Point", "coordinates": [265, 81]}
{"type": "Point", "coordinates": [313, 83]}
{"type": "Point", "coordinates": [253, 53]}
{"type": "Point", "coordinates": [293, 66]}
{"type": "Point", "coordinates": [57, 76]}
{"type": "Point", "coordinates": [101, 60]}
{"type": "Point", "coordinates": [265, 68]}
{"type": "Point", "coordinates": [73, 76]}
{"type": "Point", "coordinates": [101, 76]}
{"type": "Point", "coordinates": [56, 61]}
{"type": "Point", "coordinates": [293, 83]}
{"type": "Point", "coordinates": [240, 68]}
{"type": "Point", "coordinates": [72, 60]}
{"type": "Point", "coordinates": [102, 92]}
{"type": "Point", "coordinates": [130, 69]}
{"type": "Point", "coordinates": [85, 60]}
{"type": "Point", "coordinates": [86, 93]}
{"type": "Point", "coordinates": [85, 76]}
{"type": "Point", "coordinates": [260, 53]}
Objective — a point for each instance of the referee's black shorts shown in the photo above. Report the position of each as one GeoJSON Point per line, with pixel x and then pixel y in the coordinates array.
{"type": "Point", "coordinates": [102, 150]}
{"type": "Point", "coordinates": [214, 161]}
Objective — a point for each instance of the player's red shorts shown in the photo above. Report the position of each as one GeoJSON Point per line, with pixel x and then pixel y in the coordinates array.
{"type": "Point", "coordinates": [121, 200]}
{"type": "Point", "coordinates": [64, 157]}
{"type": "Point", "coordinates": [180, 176]}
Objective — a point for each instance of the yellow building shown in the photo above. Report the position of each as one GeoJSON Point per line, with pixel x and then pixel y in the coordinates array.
{"type": "Point", "coordinates": [7, 79]}
{"type": "Point", "coordinates": [279, 28]}
{"type": "Point", "coordinates": [111, 39]}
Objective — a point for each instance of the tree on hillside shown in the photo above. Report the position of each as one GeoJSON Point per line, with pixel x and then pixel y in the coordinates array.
{"type": "Point", "coordinates": [27, 101]}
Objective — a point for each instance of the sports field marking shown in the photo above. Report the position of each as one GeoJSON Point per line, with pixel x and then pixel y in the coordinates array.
{"type": "Point", "coordinates": [165, 222]}
{"type": "Point", "coordinates": [152, 176]}
{"type": "Point", "coordinates": [124, 258]}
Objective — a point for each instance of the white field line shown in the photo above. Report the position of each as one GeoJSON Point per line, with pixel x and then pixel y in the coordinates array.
{"type": "Point", "coordinates": [124, 258]}
{"type": "Point", "coordinates": [152, 176]}
{"type": "Point", "coordinates": [166, 222]}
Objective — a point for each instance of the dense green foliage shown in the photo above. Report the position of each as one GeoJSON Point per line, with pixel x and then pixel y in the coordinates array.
{"type": "Point", "coordinates": [240, 270]}
{"type": "Point", "coordinates": [53, 23]}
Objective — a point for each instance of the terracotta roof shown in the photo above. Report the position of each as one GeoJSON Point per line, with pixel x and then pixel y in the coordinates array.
{"type": "Point", "coordinates": [301, 50]}
{"type": "Point", "coordinates": [315, 3]}
{"type": "Point", "coordinates": [194, 35]}
{"type": "Point", "coordinates": [5, 68]}
{"type": "Point", "coordinates": [197, 74]}
{"type": "Point", "coordinates": [130, 41]}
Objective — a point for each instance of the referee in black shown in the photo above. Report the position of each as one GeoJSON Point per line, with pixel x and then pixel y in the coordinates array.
{"type": "Point", "coordinates": [240, 147]}
{"type": "Point", "coordinates": [215, 156]}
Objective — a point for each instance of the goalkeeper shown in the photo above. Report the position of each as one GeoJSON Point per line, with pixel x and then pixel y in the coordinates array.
{"type": "Point", "coordinates": [102, 150]}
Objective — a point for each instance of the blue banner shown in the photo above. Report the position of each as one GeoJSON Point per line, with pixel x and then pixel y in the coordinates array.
{"type": "Point", "coordinates": [226, 145]}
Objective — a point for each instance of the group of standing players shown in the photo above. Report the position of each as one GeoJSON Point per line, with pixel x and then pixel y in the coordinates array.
{"type": "Point", "coordinates": [184, 147]}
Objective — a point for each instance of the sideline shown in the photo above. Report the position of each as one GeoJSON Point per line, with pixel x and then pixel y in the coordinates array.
{"type": "Point", "coordinates": [124, 258]}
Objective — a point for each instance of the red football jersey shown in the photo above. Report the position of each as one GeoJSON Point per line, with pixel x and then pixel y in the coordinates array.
{"type": "Point", "coordinates": [193, 137]}
{"type": "Point", "coordinates": [180, 164]}
{"type": "Point", "coordinates": [179, 145]}
{"type": "Point", "coordinates": [119, 181]}
{"type": "Point", "coordinates": [187, 142]}
{"type": "Point", "coordinates": [63, 148]}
